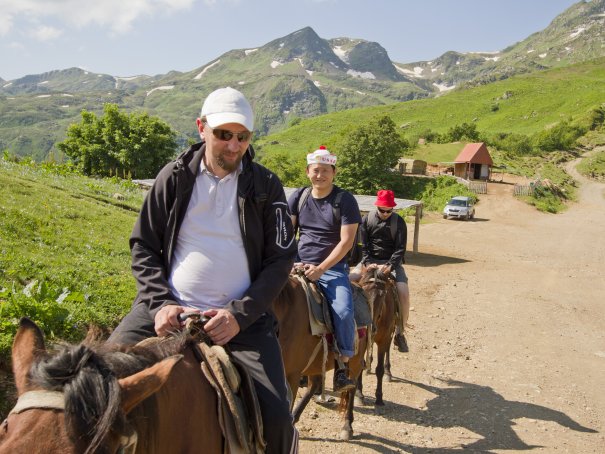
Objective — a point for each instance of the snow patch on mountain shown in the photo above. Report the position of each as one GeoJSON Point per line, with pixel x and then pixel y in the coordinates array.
{"type": "Point", "coordinates": [364, 75]}
{"type": "Point", "coordinates": [199, 76]}
{"type": "Point", "coordinates": [163, 87]}
{"type": "Point", "coordinates": [340, 53]}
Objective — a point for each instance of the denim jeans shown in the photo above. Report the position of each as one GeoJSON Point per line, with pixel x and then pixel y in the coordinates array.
{"type": "Point", "coordinates": [336, 287]}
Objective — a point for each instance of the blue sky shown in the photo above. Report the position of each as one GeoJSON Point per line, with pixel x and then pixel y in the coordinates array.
{"type": "Point", "coordinates": [131, 37]}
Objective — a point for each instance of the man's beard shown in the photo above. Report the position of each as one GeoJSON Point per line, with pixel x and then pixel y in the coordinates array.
{"type": "Point", "coordinates": [228, 166]}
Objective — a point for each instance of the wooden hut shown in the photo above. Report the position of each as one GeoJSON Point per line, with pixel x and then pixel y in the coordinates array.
{"type": "Point", "coordinates": [474, 162]}
{"type": "Point", "coordinates": [411, 166]}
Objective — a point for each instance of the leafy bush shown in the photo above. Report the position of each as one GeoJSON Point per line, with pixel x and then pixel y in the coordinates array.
{"type": "Point", "coordinates": [563, 136]}
{"type": "Point", "coordinates": [134, 145]}
{"type": "Point", "coordinates": [518, 144]}
{"type": "Point", "coordinates": [51, 307]}
{"type": "Point", "coordinates": [465, 131]}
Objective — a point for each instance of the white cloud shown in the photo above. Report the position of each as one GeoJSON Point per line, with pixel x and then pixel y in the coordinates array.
{"type": "Point", "coordinates": [45, 33]}
{"type": "Point", "coordinates": [116, 15]}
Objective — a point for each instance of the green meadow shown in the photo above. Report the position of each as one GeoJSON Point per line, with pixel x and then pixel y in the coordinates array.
{"type": "Point", "coordinates": [525, 104]}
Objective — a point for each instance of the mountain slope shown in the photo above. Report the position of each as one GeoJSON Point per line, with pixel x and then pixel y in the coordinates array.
{"type": "Point", "coordinates": [291, 78]}
{"type": "Point", "coordinates": [576, 35]}
{"type": "Point", "coordinates": [523, 104]}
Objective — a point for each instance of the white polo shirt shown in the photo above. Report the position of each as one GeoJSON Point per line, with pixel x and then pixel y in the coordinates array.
{"type": "Point", "coordinates": [209, 267]}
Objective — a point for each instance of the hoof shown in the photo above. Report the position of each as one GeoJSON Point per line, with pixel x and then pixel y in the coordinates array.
{"type": "Point", "coordinates": [388, 378]}
{"type": "Point", "coordinates": [379, 409]}
{"type": "Point", "coordinates": [345, 435]}
{"type": "Point", "coordinates": [359, 401]}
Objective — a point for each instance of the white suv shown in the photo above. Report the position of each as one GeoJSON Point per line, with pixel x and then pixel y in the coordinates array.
{"type": "Point", "coordinates": [459, 207]}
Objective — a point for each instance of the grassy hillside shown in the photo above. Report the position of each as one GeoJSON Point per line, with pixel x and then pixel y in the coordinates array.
{"type": "Point", "coordinates": [64, 256]}
{"type": "Point", "coordinates": [523, 104]}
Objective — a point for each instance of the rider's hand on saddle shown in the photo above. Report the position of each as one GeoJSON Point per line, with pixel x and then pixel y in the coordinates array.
{"type": "Point", "coordinates": [313, 272]}
{"type": "Point", "coordinates": [166, 320]}
{"type": "Point", "coordinates": [222, 326]}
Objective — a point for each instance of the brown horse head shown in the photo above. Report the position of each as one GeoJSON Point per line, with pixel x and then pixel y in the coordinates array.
{"type": "Point", "coordinates": [375, 283]}
{"type": "Point", "coordinates": [77, 400]}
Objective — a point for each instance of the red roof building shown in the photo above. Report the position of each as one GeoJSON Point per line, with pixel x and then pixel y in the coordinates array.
{"type": "Point", "coordinates": [474, 162]}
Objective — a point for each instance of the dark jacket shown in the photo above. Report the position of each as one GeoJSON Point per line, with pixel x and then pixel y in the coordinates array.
{"type": "Point", "coordinates": [265, 226]}
{"type": "Point", "coordinates": [378, 245]}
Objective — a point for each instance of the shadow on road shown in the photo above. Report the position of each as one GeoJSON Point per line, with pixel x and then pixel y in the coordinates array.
{"type": "Point", "coordinates": [476, 408]}
{"type": "Point", "coordinates": [429, 260]}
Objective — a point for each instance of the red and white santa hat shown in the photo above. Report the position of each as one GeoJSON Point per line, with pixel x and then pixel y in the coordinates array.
{"type": "Point", "coordinates": [321, 156]}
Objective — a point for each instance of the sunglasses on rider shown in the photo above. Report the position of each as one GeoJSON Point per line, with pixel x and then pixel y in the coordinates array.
{"type": "Point", "coordinates": [385, 211]}
{"type": "Point", "coordinates": [225, 135]}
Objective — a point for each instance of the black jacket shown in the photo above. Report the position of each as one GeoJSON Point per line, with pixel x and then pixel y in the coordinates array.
{"type": "Point", "coordinates": [378, 246]}
{"type": "Point", "coordinates": [265, 226]}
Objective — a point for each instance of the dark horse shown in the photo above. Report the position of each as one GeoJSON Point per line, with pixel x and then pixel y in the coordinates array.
{"type": "Point", "coordinates": [96, 399]}
{"type": "Point", "coordinates": [381, 293]}
{"type": "Point", "coordinates": [303, 352]}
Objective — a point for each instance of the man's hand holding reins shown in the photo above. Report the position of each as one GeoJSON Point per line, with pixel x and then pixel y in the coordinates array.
{"type": "Point", "coordinates": [166, 320]}
{"type": "Point", "coordinates": [222, 326]}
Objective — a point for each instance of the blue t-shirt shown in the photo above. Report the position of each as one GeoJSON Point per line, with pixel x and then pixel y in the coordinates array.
{"type": "Point", "coordinates": [319, 230]}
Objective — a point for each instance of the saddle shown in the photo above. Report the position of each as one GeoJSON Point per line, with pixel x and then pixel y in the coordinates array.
{"type": "Point", "coordinates": [238, 408]}
{"type": "Point", "coordinates": [320, 318]}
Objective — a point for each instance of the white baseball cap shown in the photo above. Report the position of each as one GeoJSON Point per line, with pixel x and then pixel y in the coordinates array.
{"type": "Point", "coordinates": [227, 105]}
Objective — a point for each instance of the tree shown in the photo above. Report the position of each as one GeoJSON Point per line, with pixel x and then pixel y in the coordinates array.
{"type": "Point", "coordinates": [289, 169]}
{"type": "Point", "coordinates": [368, 154]}
{"type": "Point", "coordinates": [135, 144]}
{"type": "Point", "coordinates": [465, 131]}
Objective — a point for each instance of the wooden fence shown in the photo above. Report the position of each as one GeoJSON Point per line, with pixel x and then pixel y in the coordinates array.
{"type": "Point", "coordinates": [478, 187]}
{"type": "Point", "coordinates": [526, 189]}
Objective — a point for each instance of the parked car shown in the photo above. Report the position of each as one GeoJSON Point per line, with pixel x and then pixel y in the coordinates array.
{"type": "Point", "coordinates": [459, 207]}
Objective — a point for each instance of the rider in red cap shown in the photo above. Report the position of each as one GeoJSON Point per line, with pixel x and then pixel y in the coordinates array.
{"type": "Point", "coordinates": [384, 238]}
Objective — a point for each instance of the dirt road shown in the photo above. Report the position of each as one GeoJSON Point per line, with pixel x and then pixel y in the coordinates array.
{"type": "Point", "coordinates": [508, 350]}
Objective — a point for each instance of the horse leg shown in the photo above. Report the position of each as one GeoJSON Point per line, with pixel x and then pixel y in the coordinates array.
{"type": "Point", "coordinates": [387, 364]}
{"type": "Point", "coordinates": [379, 375]}
{"type": "Point", "coordinates": [346, 403]}
{"type": "Point", "coordinates": [359, 397]}
{"type": "Point", "coordinates": [304, 400]}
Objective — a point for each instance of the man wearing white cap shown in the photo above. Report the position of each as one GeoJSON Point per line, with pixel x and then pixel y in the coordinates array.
{"type": "Point", "coordinates": [327, 218]}
{"type": "Point", "coordinates": [201, 243]}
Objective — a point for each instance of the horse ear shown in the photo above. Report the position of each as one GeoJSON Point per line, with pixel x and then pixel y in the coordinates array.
{"type": "Point", "coordinates": [143, 384]}
{"type": "Point", "coordinates": [27, 346]}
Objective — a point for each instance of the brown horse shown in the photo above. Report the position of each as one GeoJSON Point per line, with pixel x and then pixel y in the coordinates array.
{"type": "Point", "coordinates": [303, 352]}
{"type": "Point", "coordinates": [96, 399]}
{"type": "Point", "coordinates": [381, 293]}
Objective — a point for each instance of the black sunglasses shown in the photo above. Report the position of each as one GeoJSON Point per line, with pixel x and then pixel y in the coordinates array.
{"type": "Point", "coordinates": [385, 211]}
{"type": "Point", "coordinates": [226, 135]}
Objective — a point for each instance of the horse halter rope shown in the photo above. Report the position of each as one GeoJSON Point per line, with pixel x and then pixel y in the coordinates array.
{"type": "Point", "coordinates": [54, 400]}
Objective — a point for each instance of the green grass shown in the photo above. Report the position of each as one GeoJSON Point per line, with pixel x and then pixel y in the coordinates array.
{"type": "Point", "coordinates": [437, 152]}
{"type": "Point", "coordinates": [64, 256]}
{"type": "Point", "coordinates": [523, 104]}
{"type": "Point", "coordinates": [593, 166]}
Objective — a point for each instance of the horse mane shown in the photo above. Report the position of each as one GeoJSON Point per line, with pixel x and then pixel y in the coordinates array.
{"type": "Point", "coordinates": [369, 274]}
{"type": "Point", "coordinates": [87, 374]}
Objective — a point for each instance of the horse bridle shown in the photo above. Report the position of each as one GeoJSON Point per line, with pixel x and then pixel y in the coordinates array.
{"type": "Point", "coordinates": [54, 400]}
